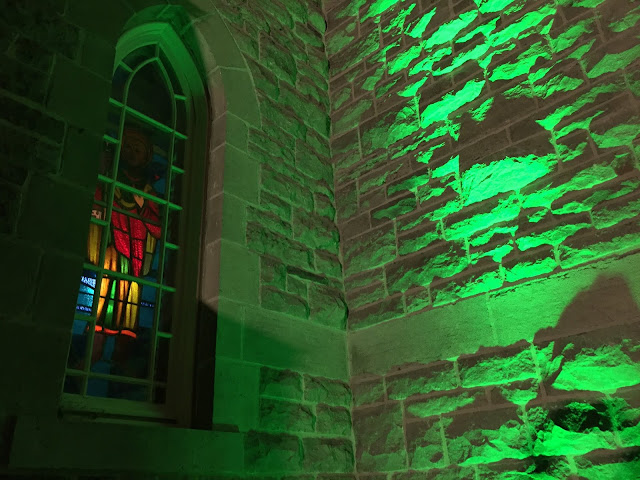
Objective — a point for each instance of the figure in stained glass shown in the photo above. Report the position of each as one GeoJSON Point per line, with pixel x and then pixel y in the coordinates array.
{"type": "Point", "coordinates": [134, 232]}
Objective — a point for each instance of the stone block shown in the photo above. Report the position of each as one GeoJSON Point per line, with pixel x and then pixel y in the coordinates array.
{"type": "Point", "coordinates": [438, 377]}
{"type": "Point", "coordinates": [396, 208]}
{"type": "Point", "coordinates": [421, 237]}
{"type": "Point", "coordinates": [443, 260]}
{"type": "Point", "coordinates": [324, 206]}
{"type": "Point", "coordinates": [325, 390]}
{"type": "Point", "coordinates": [327, 306]}
{"type": "Point", "coordinates": [571, 427]}
{"type": "Point", "coordinates": [386, 309]}
{"type": "Point", "coordinates": [367, 390]}
{"type": "Point", "coordinates": [626, 415]}
{"type": "Point", "coordinates": [450, 402]}
{"type": "Point", "coordinates": [36, 122]}
{"type": "Point", "coordinates": [19, 288]}
{"type": "Point", "coordinates": [621, 463]}
{"type": "Point", "coordinates": [333, 420]}
{"type": "Point", "coordinates": [451, 473]}
{"type": "Point", "coordinates": [315, 231]}
{"type": "Point", "coordinates": [363, 296]}
{"type": "Point", "coordinates": [279, 301]}
{"type": "Point", "coordinates": [239, 273]}
{"type": "Point", "coordinates": [241, 176]}
{"type": "Point", "coordinates": [425, 444]}
{"type": "Point", "coordinates": [270, 243]}
{"type": "Point", "coordinates": [79, 96]}
{"type": "Point", "coordinates": [490, 437]}
{"type": "Point", "coordinates": [234, 212]}
{"type": "Point", "coordinates": [346, 202]}
{"type": "Point", "coordinates": [424, 337]}
{"type": "Point", "coordinates": [532, 263]}
{"type": "Point", "coordinates": [518, 393]}
{"type": "Point", "coordinates": [280, 383]}
{"type": "Point", "coordinates": [266, 453]}
{"type": "Point", "coordinates": [10, 199]}
{"type": "Point", "coordinates": [297, 286]}
{"type": "Point", "coordinates": [281, 341]}
{"type": "Point", "coordinates": [34, 389]}
{"type": "Point", "coordinates": [238, 86]}
{"type": "Point", "coordinates": [335, 476]}
{"type": "Point", "coordinates": [23, 80]}
{"type": "Point", "coordinates": [235, 392]}
{"type": "Point", "coordinates": [264, 80]}
{"type": "Point", "coordinates": [275, 205]}
{"type": "Point", "coordinates": [581, 249]}
{"type": "Point", "coordinates": [277, 60]}
{"type": "Point", "coordinates": [373, 249]}
{"type": "Point", "coordinates": [68, 232]}
{"type": "Point", "coordinates": [484, 276]}
{"type": "Point", "coordinates": [287, 416]}
{"type": "Point", "coordinates": [229, 328]}
{"type": "Point", "coordinates": [492, 368]}
{"type": "Point", "coordinates": [417, 299]}
{"type": "Point", "coordinates": [553, 467]}
{"type": "Point", "coordinates": [327, 454]}
{"type": "Point", "coordinates": [273, 142]}
{"type": "Point", "coordinates": [328, 264]}
{"type": "Point", "coordinates": [349, 118]}
{"type": "Point", "coordinates": [312, 163]}
{"type": "Point", "coordinates": [59, 281]}
{"type": "Point", "coordinates": [286, 187]}
{"type": "Point", "coordinates": [273, 272]}
{"type": "Point", "coordinates": [79, 145]}
{"type": "Point", "coordinates": [598, 361]}
{"type": "Point", "coordinates": [379, 435]}
{"type": "Point", "coordinates": [269, 221]}
{"type": "Point", "coordinates": [283, 116]}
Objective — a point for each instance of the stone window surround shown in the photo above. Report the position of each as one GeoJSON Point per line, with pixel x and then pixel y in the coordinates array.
{"type": "Point", "coordinates": [233, 106]}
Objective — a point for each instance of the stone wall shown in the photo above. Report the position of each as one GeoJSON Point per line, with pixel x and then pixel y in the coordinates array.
{"type": "Point", "coordinates": [272, 274]}
{"type": "Point", "coordinates": [484, 151]}
{"type": "Point", "coordinates": [293, 317]}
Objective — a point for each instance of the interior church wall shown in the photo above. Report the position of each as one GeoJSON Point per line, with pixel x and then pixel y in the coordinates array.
{"type": "Point", "coordinates": [272, 275]}
{"type": "Point", "coordinates": [486, 170]}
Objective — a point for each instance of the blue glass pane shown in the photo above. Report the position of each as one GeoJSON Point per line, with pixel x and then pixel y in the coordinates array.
{"type": "Point", "coordinates": [86, 291]}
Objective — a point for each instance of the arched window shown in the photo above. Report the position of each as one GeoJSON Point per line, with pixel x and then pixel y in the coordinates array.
{"type": "Point", "coordinates": [132, 342]}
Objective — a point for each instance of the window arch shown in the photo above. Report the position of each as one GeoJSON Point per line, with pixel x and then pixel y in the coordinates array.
{"type": "Point", "coordinates": [132, 341]}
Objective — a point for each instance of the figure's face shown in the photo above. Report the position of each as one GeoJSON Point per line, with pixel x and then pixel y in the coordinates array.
{"type": "Point", "coordinates": [135, 149]}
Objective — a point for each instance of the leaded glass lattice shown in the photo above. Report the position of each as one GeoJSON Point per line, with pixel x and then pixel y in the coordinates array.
{"type": "Point", "coordinates": [122, 332]}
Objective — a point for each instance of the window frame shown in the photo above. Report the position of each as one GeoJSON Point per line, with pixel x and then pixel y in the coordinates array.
{"type": "Point", "coordinates": [177, 410]}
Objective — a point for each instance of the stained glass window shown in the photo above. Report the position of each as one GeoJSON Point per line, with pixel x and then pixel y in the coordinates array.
{"type": "Point", "coordinates": [122, 330]}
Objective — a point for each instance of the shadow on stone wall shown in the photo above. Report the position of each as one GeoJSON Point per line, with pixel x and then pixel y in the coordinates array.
{"type": "Point", "coordinates": [568, 402]}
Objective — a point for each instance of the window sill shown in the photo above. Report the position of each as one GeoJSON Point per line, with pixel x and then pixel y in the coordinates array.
{"type": "Point", "coordinates": [93, 409]}
{"type": "Point", "coordinates": [49, 443]}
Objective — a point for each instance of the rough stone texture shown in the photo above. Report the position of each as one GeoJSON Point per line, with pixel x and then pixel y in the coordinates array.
{"type": "Point", "coordinates": [280, 383]}
{"type": "Point", "coordinates": [323, 454]}
{"type": "Point", "coordinates": [367, 391]}
{"type": "Point", "coordinates": [483, 151]}
{"type": "Point", "coordinates": [379, 438]}
{"type": "Point", "coordinates": [333, 420]}
{"type": "Point", "coordinates": [425, 380]}
{"type": "Point", "coordinates": [273, 453]}
{"type": "Point", "coordinates": [460, 158]}
{"type": "Point", "coordinates": [278, 415]}
{"type": "Point", "coordinates": [325, 390]}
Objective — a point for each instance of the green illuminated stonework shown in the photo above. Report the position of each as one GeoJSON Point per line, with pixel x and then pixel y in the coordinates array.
{"type": "Point", "coordinates": [420, 240]}
{"type": "Point", "coordinates": [485, 152]}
